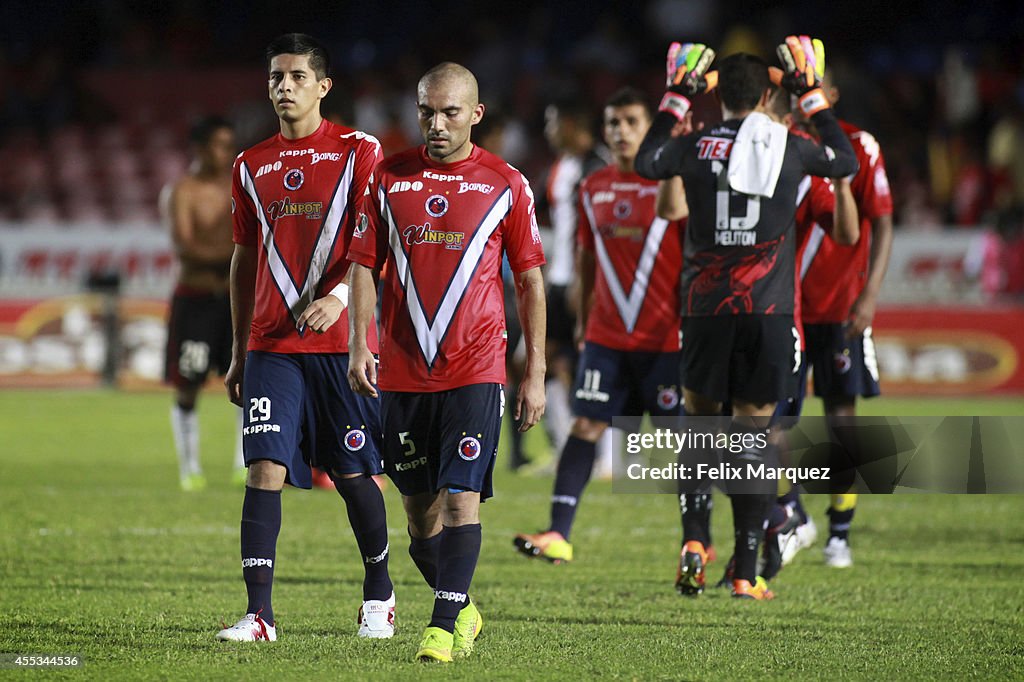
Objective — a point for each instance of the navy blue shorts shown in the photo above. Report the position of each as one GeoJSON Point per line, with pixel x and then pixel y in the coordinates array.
{"type": "Point", "coordinates": [614, 383]}
{"type": "Point", "coordinates": [447, 439]}
{"type": "Point", "coordinates": [300, 412]}
{"type": "Point", "coordinates": [841, 366]}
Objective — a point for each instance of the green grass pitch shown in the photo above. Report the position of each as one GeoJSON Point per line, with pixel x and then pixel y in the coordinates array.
{"type": "Point", "coordinates": [103, 557]}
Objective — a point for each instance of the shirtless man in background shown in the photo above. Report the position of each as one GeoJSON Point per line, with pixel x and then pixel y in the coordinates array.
{"type": "Point", "coordinates": [197, 211]}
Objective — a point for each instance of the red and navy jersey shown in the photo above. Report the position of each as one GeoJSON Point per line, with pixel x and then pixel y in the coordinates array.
{"type": "Point", "coordinates": [441, 230]}
{"type": "Point", "coordinates": [296, 201]}
{"type": "Point", "coordinates": [639, 258]}
{"type": "Point", "coordinates": [739, 250]}
{"type": "Point", "coordinates": [835, 274]}
{"type": "Point", "coordinates": [816, 202]}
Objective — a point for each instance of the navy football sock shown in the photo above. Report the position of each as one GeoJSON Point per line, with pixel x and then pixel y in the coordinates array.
{"type": "Point", "coordinates": [365, 506]}
{"type": "Point", "coordinates": [695, 510]}
{"type": "Point", "coordinates": [261, 523]}
{"type": "Point", "coordinates": [459, 551]}
{"type": "Point", "coordinates": [424, 553]}
{"type": "Point", "coordinates": [792, 500]}
{"type": "Point", "coordinates": [574, 469]}
{"type": "Point", "coordinates": [695, 498]}
{"type": "Point", "coordinates": [839, 523]}
{"type": "Point", "coordinates": [749, 512]}
{"type": "Point", "coordinates": [776, 517]}
{"type": "Point", "coordinates": [752, 500]}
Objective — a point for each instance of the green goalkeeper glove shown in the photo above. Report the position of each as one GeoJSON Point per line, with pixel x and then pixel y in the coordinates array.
{"type": "Point", "coordinates": [686, 68]}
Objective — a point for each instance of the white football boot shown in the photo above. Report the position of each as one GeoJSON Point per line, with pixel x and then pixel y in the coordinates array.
{"type": "Point", "coordinates": [837, 553]}
{"type": "Point", "coordinates": [801, 537]}
{"type": "Point", "coordinates": [252, 628]}
{"type": "Point", "coordinates": [377, 618]}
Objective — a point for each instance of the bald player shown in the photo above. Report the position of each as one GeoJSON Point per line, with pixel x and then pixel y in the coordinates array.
{"type": "Point", "coordinates": [197, 211]}
{"type": "Point", "coordinates": [440, 216]}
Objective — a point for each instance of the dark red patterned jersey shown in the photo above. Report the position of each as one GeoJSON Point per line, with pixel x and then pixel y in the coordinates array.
{"type": "Point", "coordinates": [639, 260]}
{"type": "Point", "coordinates": [440, 230]}
{"type": "Point", "coordinates": [296, 201]}
{"type": "Point", "coordinates": [835, 275]}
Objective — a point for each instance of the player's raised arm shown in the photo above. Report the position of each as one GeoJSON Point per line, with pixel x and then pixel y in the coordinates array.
{"type": "Point", "coordinates": [803, 65]}
{"type": "Point", "coordinates": [845, 223]}
{"type": "Point", "coordinates": [660, 154]}
{"type": "Point", "coordinates": [670, 202]}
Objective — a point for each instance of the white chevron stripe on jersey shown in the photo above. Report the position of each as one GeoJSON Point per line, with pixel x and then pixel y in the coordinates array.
{"type": "Point", "coordinates": [628, 307]}
{"type": "Point", "coordinates": [802, 189]}
{"type": "Point", "coordinates": [817, 231]}
{"type": "Point", "coordinates": [295, 300]}
{"type": "Point", "coordinates": [430, 332]}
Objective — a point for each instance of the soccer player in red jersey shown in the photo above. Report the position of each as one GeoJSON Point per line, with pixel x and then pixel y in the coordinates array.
{"type": "Point", "coordinates": [741, 179]}
{"type": "Point", "coordinates": [197, 209]}
{"type": "Point", "coordinates": [628, 263]}
{"type": "Point", "coordinates": [840, 286]}
{"type": "Point", "coordinates": [294, 199]}
{"type": "Point", "coordinates": [440, 216]}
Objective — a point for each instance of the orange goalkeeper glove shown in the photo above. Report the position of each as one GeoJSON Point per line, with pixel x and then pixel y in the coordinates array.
{"type": "Point", "coordinates": [803, 66]}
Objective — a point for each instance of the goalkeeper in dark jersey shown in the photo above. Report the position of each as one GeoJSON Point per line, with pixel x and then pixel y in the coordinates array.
{"type": "Point", "coordinates": [741, 179]}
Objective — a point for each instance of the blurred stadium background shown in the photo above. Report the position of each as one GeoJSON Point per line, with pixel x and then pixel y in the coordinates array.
{"type": "Point", "coordinates": [98, 97]}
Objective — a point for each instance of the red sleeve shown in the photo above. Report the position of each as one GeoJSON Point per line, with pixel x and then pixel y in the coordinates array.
{"type": "Point", "coordinates": [584, 230]}
{"type": "Point", "coordinates": [244, 225]}
{"type": "Point", "coordinates": [368, 157]}
{"type": "Point", "coordinates": [871, 186]}
{"type": "Point", "coordinates": [369, 245]}
{"type": "Point", "coordinates": [520, 232]}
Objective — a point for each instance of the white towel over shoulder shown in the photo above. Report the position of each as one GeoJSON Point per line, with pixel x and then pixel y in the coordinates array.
{"type": "Point", "coordinates": [756, 158]}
